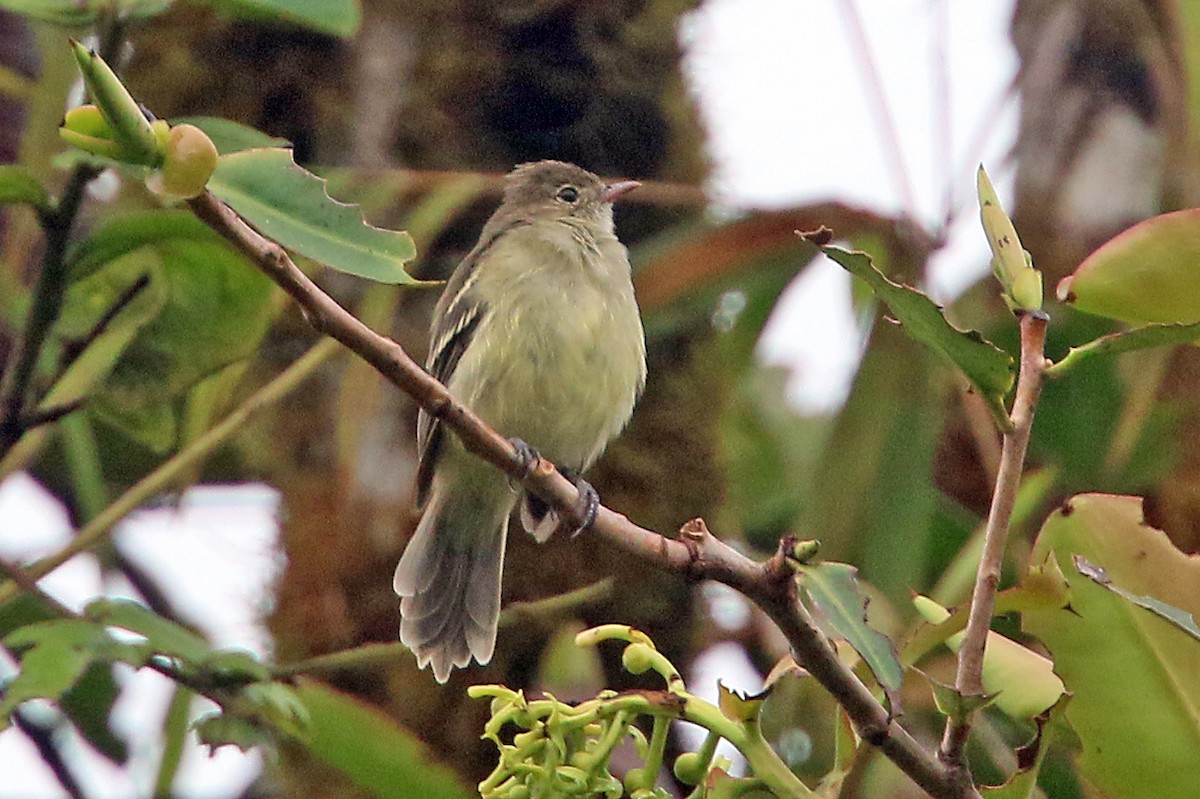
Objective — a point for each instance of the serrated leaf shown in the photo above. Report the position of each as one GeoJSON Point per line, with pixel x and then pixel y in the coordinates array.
{"type": "Point", "coordinates": [988, 367]}
{"type": "Point", "coordinates": [1147, 274]}
{"type": "Point", "coordinates": [954, 705]}
{"type": "Point", "coordinates": [1139, 338]}
{"type": "Point", "coordinates": [55, 655]}
{"type": "Point", "coordinates": [380, 756]}
{"type": "Point", "coordinates": [834, 589]}
{"type": "Point", "coordinates": [1133, 674]}
{"type": "Point", "coordinates": [289, 205]}
{"type": "Point", "coordinates": [230, 136]}
{"type": "Point", "coordinates": [738, 706]}
{"type": "Point", "coordinates": [162, 635]}
{"type": "Point", "coordinates": [1051, 728]}
{"type": "Point", "coordinates": [1043, 588]}
{"type": "Point", "coordinates": [19, 186]}
{"type": "Point", "coordinates": [1022, 682]}
{"type": "Point", "coordinates": [338, 17]}
{"type": "Point", "coordinates": [1177, 616]}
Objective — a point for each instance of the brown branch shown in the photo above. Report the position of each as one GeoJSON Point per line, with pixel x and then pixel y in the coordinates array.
{"type": "Point", "coordinates": [696, 554]}
{"type": "Point", "coordinates": [968, 681]}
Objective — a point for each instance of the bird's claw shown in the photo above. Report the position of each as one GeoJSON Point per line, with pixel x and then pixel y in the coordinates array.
{"type": "Point", "coordinates": [587, 504]}
{"type": "Point", "coordinates": [527, 455]}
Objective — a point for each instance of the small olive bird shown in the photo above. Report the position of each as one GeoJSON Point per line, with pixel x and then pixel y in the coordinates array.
{"type": "Point", "coordinates": [537, 332]}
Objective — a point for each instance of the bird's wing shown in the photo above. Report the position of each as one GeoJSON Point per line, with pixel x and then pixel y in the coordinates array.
{"type": "Point", "coordinates": [459, 313]}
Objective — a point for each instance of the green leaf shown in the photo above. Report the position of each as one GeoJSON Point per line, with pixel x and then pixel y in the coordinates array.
{"type": "Point", "coordinates": [1180, 618]}
{"type": "Point", "coordinates": [834, 589]}
{"type": "Point", "coordinates": [1022, 682]}
{"type": "Point", "coordinates": [131, 129]}
{"type": "Point", "coordinates": [380, 755]}
{"type": "Point", "coordinates": [1011, 264]}
{"type": "Point", "coordinates": [1145, 274]}
{"type": "Point", "coordinates": [216, 312]}
{"type": "Point", "coordinates": [1044, 588]}
{"type": "Point", "coordinates": [225, 729]}
{"type": "Point", "coordinates": [289, 205]}
{"type": "Point", "coordinates": [989, 368]}
{"type": "Point", "coordinates": [1139, 338]}
{"type": "Point", "coordinates": [954, 705]}
{"type": "Point", "coordinates": [737, 706]}
{"type": "Point", "coordinates": [1136, 704]}
{"type": "Point", "coordinates": [338, 17]}
{"type": "Point", "coordinates": [1051, 728]}
{"type": "Point", "coordinates": [119, 235]}
{"type": "Point", "coordinates": [82, 13]}
{"type": "Point", "coordinates": [19, 186]}
{"type": "Point", "coordinates": [86, 302]}
{"type": "Point", "coordinates": [174, 737]}
{"type": "Point", "coordinates": [163, 636]}
{"type": "Point", "coordinates": [230, 136]}
{"type": "Point", "coordinates": [59, 652]}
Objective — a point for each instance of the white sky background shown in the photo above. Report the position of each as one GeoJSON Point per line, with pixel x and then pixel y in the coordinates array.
{"type": "Point", "coordinates": [781, 87]}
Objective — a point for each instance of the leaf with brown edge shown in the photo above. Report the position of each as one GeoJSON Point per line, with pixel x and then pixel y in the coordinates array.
{"type": "Point", "coordinates": [738, 706]}
{"type": "Point", "coordinates": [1133, 674]}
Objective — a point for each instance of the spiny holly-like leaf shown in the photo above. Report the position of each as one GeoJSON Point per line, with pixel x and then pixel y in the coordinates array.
{"type": "Point", "coordinates": [835, 590]}
{"type": "Point", "coordinates": [738, 706]}
{"type": "Point", "coordinates": [55, 655]}
{"type": "Point", "coordinates": [1133, 674]}
{"type": "Point", "coordinates": [984, 364]}
{"type": "Point", "coordinates": [1051, 728]}
{"type": "Point", "coordinates": [1146, 274]}
{"type": "Point", "coordinates": [1177, 616]}
{"type": "Point", "coordinates": [954, 705]}
{"type": "Point", "coordinates": [289, 204]}
{"type": "Point", "coordinates": [1044, 588]}
{"type": "Point", "coordinates": [1022, 682]}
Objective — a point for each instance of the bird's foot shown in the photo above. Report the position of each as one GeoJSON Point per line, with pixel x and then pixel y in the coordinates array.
{"type": "Point", "coordinates": [526, 454]}
{"type": "Point", "coordinates": [587, 505]}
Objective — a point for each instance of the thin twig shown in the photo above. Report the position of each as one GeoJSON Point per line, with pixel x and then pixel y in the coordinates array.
{"type": "Point", "coordinates": [54, 413]}
{"type": "Point", "coordinates": [969, 680]}
{"type": "Point", "coordinates": [877, 96]}
{"type": "Point", "coordinates": [77, 348]}
{"type": "Point", "coordinates": [370, 655]}
{"type": "Point", "coordinates": [697, 554]}
{"type": "Point", "coordinates": [48, 293]}
{"type": "Point", "coordinates": [42, 737]}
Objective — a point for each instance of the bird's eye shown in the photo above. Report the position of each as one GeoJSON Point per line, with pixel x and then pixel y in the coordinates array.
{"type": "Point", "coordinates": [568, 194]}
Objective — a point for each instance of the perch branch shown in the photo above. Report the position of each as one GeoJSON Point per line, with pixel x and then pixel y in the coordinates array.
{"type": "Point", "coordinates": [696, 554]}
{"type": "Point", "coordinates": [968, 681]}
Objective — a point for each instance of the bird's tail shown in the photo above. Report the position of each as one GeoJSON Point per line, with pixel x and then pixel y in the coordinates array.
{"type": "Point", "coordinates": [449, 579]}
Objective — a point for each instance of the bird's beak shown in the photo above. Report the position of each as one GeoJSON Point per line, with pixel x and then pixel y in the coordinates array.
{"type": "Point", "coordinates": [614, 191]}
